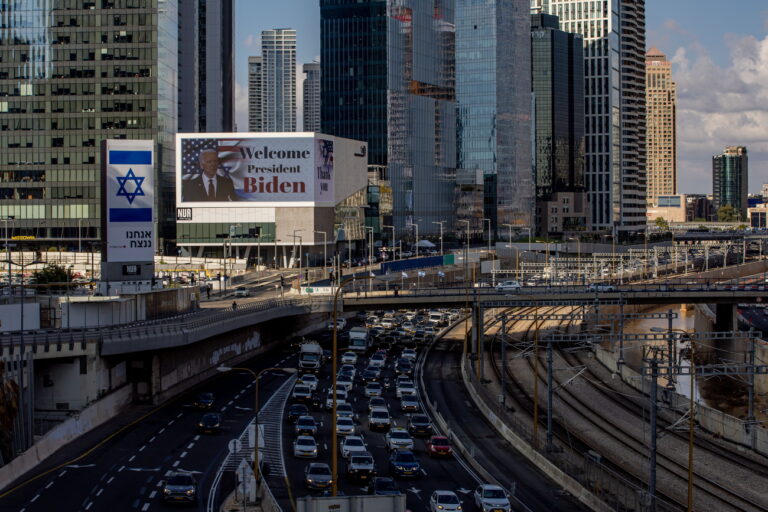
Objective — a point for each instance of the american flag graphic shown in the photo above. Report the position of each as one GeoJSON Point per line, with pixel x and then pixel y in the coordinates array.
{"type": "Point", "coordinates": [228, 150]}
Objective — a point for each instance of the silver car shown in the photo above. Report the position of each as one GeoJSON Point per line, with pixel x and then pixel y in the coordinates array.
{"type": "Point", "coordinates": [318, 476]}
{"type": "Point", "coordinates": [345, 426]}
{"type": "Point", "coordinates": [180, 487]}
{"type": "Point", "coordinates": [305, 447]}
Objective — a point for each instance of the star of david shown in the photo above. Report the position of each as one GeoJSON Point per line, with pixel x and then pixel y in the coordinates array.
{"type": "Point", "coordinates": [137, 180]}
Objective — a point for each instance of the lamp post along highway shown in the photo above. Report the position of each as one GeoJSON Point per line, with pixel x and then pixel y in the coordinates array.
{"type": "Point", "coordinates": [392, 242]}
{"type": "Point", "coordinates": [256, 377]}
{"type": "Point", "coordinates": [440, 223]}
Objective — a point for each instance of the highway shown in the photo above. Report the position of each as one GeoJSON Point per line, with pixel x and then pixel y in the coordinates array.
{"type": "Point", "coordinates": [124, 473]}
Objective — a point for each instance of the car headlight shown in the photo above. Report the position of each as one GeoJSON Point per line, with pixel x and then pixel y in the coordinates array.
{"type": "Point", "coordinates": [458, 508]}
{"type": "Point", "coordinates": [166, 491]}
{"type": "Point", "coordinates": [439, 507]}
{"type": "Point", "coordinates": [199, 424]}
{"type": "Point", "coordinates": [190, 492]}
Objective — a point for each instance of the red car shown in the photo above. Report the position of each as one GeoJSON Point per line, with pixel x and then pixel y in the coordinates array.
{"type": "Point", "coordinates": [439, 446]}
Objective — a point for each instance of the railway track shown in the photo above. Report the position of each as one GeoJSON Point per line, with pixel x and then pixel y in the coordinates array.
{"type": "Point", "coordinates": [669, 469]}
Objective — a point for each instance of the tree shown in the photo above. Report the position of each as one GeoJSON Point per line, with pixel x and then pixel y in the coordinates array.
{"type": "Point", "coordinates": [661, 223]}
{"type": "Point", "coordinates": [727, 213]}
{"type": "Point", "coordinates": [51, 274]}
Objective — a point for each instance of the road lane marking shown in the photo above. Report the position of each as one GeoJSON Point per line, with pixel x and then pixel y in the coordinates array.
{"type": "Point", "coordinates": [152, 439]}
{"type": "Point", "coordinates": [35, 498]}
{"type": "Point", "coordinates": [230, 402]}
{"type": "Point", "coordinates": [49, 485]}
{"type": "Point", "coordinates": [152, 495]}
{"type": "Point", "coordinates": [183, 454]}
{"type": "Point", "coordinates": [197, 437]}
{"type": "Point", "coordinates": [190, 445]}
{"type": "Point", "coordinates": [100, 491]}
{"type": "Point", "coordinates": [180, 415]}
{"type": "Point", "coordinates": [62, 473]}
{"type": "Point", "coordinates": [88, 506]}
{"type": "Point", "coordinates": [176, 464]}
{"type": "Point", "coordinates": [171, 422]}
{"type": "Point", "coordinates": [142, 448]}
{"type": "Point", "coordinates": [161, 430]}
{"type": "Point", "coordinates": [121, 468]}
{"type": "Point", "coordinates": [145, 507]}
{"type": "Point", "coordinates": [110, 479]}
{"type": "Point", "coordinates": [131, 459]}
{"type": "Point", "coordinates": [159, 484]}
{"type": "Point", "coordinates": [135, 504]}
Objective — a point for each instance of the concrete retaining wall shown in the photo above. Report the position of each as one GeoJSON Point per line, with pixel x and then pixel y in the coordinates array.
{"type": "Point", "coordinates": [89, 418]}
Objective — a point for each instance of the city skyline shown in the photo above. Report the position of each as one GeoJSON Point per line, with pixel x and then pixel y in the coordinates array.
{"type": "Point", "coordinates": [718, 65]}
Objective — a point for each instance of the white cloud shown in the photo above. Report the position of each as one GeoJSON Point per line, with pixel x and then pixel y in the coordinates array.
{"type": "Point", "coordinates": [720, 106]}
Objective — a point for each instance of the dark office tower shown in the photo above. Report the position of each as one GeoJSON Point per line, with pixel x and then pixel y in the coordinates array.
{"type": "Point", "coordinates": [388, 79]}
{"type": "Point", "coordinates": [206, 65]}
{"type": "Point", "coordinates": [493, 96]}
{"type": "Point", "coordinates": [557, 74]}
{"type": "Point", "coordinates": [311, 91]}
{"type": "Point", "coordinates": [730, 172]}
{"type": "Point", "coordinates": [71, 75]}
{"type": "Point", "coordinates": [613, 32]}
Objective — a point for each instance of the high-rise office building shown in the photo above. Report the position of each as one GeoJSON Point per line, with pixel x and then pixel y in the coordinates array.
{"type": "Point", "coordinates": [730, 172]}
{"type": "Point", "coordinates": [557, 74]}
{"type": "Point", "coordinates": [311, 89]}
{"type": "Point", "coordinates": [277, 81]}
{"type": "Point", "coordinates": [71, 75]}
{"type": "Point", "coordinates": [494, 175]}
{"type": "Point", "coordinates": [255, 95]}
{"type": "Point", "coordinates": [388, 79]}
{"type": "Point", "coordinates": [614, 67]}
{"type": "Point", "coordinates": [660, 99]}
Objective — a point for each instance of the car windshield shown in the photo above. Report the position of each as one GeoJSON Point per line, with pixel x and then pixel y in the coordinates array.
{"type": "Point", "coordinates": [296, 409]}
{"type": "Point", "coordinates": [206, 396]}
{"type": "Point", "coordinates": [211, 417]}
{"type": "Point", "coordinates": [301, 389]}
{"type": "Point", "coordinates": [385, 485]}
{"type": "Point", "coordinates": [306, 421]}
{"type": "Point", "coordinates": [374, 385]}
{"type": "Point", "coordinates": [399, 435]}
{"type": "Point", "coordinates": [309, 357]}
{"type": "Point", "coordinates": [405, 457]}
{"type": "Point", "coordinates": [181, 480]}
{"type": "Point", "coordinates": [419, 419]}
{"type": "Point", "coordinates": [308, 378]}
{"type": "Point", "coordinates": [305, 442]}
{"type": "Point", "coordinates": [450, 499]}
{"type": "Point", "coordinates": [362, 460]}
{"type": "Point", "coordinates": [379, 414]}
{"type": "Point", "coordinates": [494, 494]}
{"type": "Point", "coordinates": [344, 421]}
{"type": "Point", "coordinates": [440, 442]}
{"type": "Point", "coordinates": [320, 470]}
{"type": "Point", "coordinates": [353, 442]}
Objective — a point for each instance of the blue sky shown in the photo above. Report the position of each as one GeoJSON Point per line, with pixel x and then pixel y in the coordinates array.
{"type": "Point", "coordinates": [719, 50]}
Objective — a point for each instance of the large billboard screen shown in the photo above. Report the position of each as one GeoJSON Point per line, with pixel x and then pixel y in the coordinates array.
{"type": "Point", "coordinates": [129, 195]}
{"type": "Point", "coordinates": [241, 171]}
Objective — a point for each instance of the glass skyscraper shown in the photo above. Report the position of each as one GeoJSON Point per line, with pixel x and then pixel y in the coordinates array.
{"type": "Point", "coordinates": [730, 173]}
{"type": "Point", "coordinates": [493, 96]}
{"type": "Point", "coordinates": [557, 73]}
{"type": "Point", "coordinates": [311, 89]}
{"type": "Point", "coordinates": [73, 73]}
{"type": "Point", "coordinates": [388, 79]}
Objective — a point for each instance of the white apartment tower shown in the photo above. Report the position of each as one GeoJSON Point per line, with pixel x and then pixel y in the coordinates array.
{"type": "Point", "coordinates": [614, 74]}
{"type": "Point", "coordinates": [662, 139]}
{"type": "Point", "coordinates": [311, 89]}
{"type": "Point", "coordinates": [255, 95]}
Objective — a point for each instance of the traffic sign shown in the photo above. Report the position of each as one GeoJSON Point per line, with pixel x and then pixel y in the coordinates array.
{"type": "Point", "coordinates": [234, 445]}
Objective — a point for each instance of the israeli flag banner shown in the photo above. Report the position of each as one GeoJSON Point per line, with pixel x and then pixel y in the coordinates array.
{"type": "Point", "coordinates": [403, 274]}
{"type": "Point", "coordinates": [422, 273]}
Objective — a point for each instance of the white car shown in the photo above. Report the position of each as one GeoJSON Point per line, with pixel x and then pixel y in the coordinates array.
{"type": "Point", "coordinates": [309, 380]}
{"type": "Point", "coordinates": [340, 324]}
{"type": "Point", "coordinates": [372, 389]}
{"type": "Point", "coordinates": [491, 498]}
{"type": "Point", "coordinates": [301, 393]}
{"type": "Point", "coordinates": [508, 286]}
{"type": "Point", "coordinates": [349, 368]}
{"type": "Point", "coordinates": [409, 353]}
{"type": "Point", "coordinates": [444, 501]}
{"type": "Point", "coordinates": [344, 382]}
{"type": "Point", "coordinates": [349, 358]}
{"type": "Point", "coordinates": [377, 402]}
{"type": "Point", "coordinates": [345, 426]}
{"type": "Point", "coordinates": [398, 438]}
{"type": "Point", "coordinates": [351, 445]}
{"type": "Point", "coordinates": [378, 360]}
{"type": "Point", "coordinates": [242, 291]}
{"type": "Point", "coordinates": [379, 418]}
{"type": "Point", "coordinates": [305, 447]}
{"type": "Point", "coordinates": [341, 398]}
{"type": "Point", "coordinates": [405, 388]}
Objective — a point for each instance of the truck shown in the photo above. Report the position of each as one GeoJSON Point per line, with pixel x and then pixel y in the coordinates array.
{"type": "Point", "coordinates": [358, 339]}
{"type": "Point", "coordinates": [310, 356]}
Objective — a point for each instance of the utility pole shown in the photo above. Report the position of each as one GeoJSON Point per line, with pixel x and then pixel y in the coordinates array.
{"type": "Point", "coordinates": [550, 446]}
{"type": "Point", "coordinates": [652, 459]}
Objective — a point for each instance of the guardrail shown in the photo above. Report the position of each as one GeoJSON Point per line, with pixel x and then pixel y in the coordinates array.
{"type": "Point", "coordinates": [165, 333]}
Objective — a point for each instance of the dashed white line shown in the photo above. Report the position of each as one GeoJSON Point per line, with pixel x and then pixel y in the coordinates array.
{"type": "Point", "coordinates": [152, 495]}
{"type": "Point", "coordinates": [100, 491]}
{"type": "Point", "coordinates": [190, 445]}
{"type": "Point", "coordinates": [62, 473]}
{"type": "Point", "coordinates": [161, 430]}
{"type": "Point", "coordinates": [142, 448]}
{"type": "Point", "coordinates": [183, 454]}
{"type": "Point", "coordinates": [49, 485]}
{"type": "Point", "coordinates": [110, 479]}
{"type": "Point", "coordinates": [224, 408]}
{"type": "Point", "coordinates": [180, 415]}
{"type": "Point", "coordinates": [159, 484]}
{"type": "Point", "coordinates": [121, 468]}
{"type": "Point", "coordinates": [152, 439]}
{"type": "Point", "coordinates": [131, 459]}
{"type": "Point", "coordinates": [230, 402]}
{"type": "Point", "coordinates": [145, 507]}
{"type": "Point", "coordinates": [176, 464]}
{"type": "Point", "coordinates": [35, 498]}
{"type": "Point", "coordinates": [90, 503]}
{"type": "Point", "coordinates": [171, 422]}
{"type": "Point", "coordinates": [197, 437]}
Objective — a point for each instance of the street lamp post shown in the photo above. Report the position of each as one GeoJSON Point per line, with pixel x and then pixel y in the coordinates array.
{"type": "Point", "coordinates": [466, 252]}
{"type": "Point", "coordinates": [325, 250]}
{"type": "Point", "coordinates": [440, 223]}
{"type": "Point", "coordinates": [416, 245]}
{"type": "Point", "coordinates": [392, 242]}
{"type": "Point", "coordinates": [256, 377]}
{"type": "Point", "coordinates": [489, 233]}
{"type": "Point", "coordinates": [530, 235]}
{"type": "Point", "coordinates": [509, 235]}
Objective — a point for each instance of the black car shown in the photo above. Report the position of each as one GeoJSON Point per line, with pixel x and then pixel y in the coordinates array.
{"type": "Point", "coordinates": [180, 487]}
{"type": "Point", "coordinates": [403, 463]}
{"type": "Point", "coordinates": [204, 401]}
{"type": "Point", "coordinates": [419, 425]}
{"type": "Point", "coordinates": [210, 423]}
{"type": "Point", "coordinates": [384, 486]}
{"type": "Point", "coordinates": [370, 376]}
{"type": "Point", "coordinates": [296, 410]}
{"type": "Point", "coordinates": [404, 368]}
